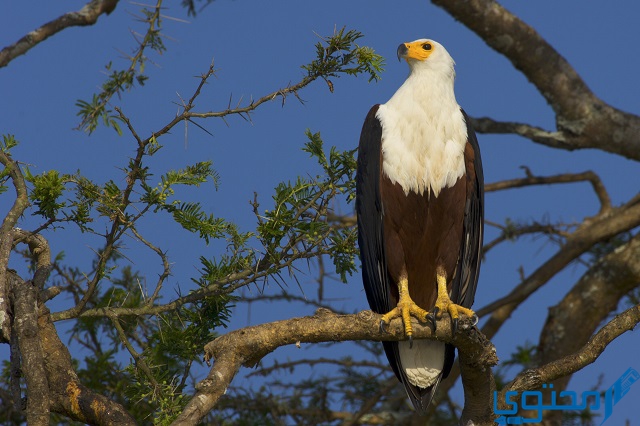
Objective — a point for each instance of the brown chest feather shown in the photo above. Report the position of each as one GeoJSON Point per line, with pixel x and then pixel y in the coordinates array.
{"type": "Point", "coordinates": [421, 233]}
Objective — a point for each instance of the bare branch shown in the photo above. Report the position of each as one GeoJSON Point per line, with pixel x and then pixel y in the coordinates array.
{"type": "Point", "coordinates": [139, 360]}
{"type": "Point", "coordinates": [88, 15]}
{"type": "Point", "coordinates": [600, 228]}
{"type": "Point", "coordinates": [598, 292]}
{"type": "Point", "coordinates": [244, 111]}
{"type": "Point", "coordinates": [25, 336]}
{"type": "Point", "coordinates": [534, 378]}
{"type": "Point", "coordinates": [132, 130]}
{"type": "Point", "coordinates": [39, 248]}
{"type": "Point", "coordinates": [245, 347]}
{"type": "Point", "coordinates": [591, 300]}
{"type": "Point", "coordinates": [583, 120]}
{"type": "Point", "coordinates": [6, 239]}
{"type": "Point", "coordinates": [536, 134]}
{"type": "Point", "coordinates": [25, 327]}
{"type": "Point", "coordinates": [203, 80]}
{"type": "Point", "coordinates": [166, 267]}
{"type": "Point", "coordinates": [478, 385]}
{"type": "Point", "coordinates": [589, 176]}
{"type": "Point", "coordinates": [68, 396]}
{"type": "Point", "coordinates": [510, 234]}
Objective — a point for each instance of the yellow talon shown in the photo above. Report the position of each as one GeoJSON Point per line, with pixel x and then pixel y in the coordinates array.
{"type": "Point", "coordinates": [405, 309]}
{"type": "Point", "coordinates": [444, 303]}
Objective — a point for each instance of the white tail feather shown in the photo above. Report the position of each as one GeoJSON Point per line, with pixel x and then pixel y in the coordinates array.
{"type": "Point", "coordinates": [423, 362]}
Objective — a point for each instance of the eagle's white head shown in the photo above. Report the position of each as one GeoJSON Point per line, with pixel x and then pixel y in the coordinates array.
{"type": "Point", "coordinates": [427, 55]}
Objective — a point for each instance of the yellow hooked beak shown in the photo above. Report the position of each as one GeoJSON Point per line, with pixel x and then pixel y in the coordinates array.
{"type": "Point", "coordinates": [417, 50]}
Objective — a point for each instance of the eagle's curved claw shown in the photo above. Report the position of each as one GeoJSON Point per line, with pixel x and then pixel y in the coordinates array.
{"type": "Point", "coordinates": [475, 319]}
{"type": "Point", "coordinates": [432, 318]}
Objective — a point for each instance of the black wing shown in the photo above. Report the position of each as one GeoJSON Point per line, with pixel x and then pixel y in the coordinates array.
{"type": "Point", "coordinates": [464, 288]}
{"type": "Point", "coordinates": [369, 214]}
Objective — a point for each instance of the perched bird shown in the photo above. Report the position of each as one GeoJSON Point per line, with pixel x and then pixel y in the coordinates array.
{"type": "Point", "coordinates": [419, 202]}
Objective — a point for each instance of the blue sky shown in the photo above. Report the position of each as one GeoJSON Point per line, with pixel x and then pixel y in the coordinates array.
{"type": "Point", "coordinates": [258, 47]}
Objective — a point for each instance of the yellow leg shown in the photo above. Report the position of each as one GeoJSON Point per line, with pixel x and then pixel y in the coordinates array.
{"type": "Point", "coordinates": [444, 303]}
{"type": "Point", "coordinates": [405, 308]}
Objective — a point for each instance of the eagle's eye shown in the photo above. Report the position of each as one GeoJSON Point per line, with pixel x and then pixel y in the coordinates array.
{"type": "Point", "coordinates": [427, 46]}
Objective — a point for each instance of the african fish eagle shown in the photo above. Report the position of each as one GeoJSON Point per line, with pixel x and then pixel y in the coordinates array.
{"type": "Point", "coordinates": [419, 203]}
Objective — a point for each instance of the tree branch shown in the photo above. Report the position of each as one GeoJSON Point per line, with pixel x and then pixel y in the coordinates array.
{"type": "Point", "coordinates": [530, 179]}
{"type": "Point", "coordinates": [597, 229]}
{"type": "Point", "coordinates": [591, 300]}
{"type": "Point", "coordinates": [25, 326]}
{"type": "Point", "coordinates": [166, 266]}
{"type": "Point", "coordinates": [6, 239]}
{"type": "Point", "coordinates": [247, 346]}
{"type": "Point", "coordinates": [536, 134]}
{"type": "Point", "coordinates": [598, 292]}
{"type": "Point", "coordinates": [25, 333]}
{"type": "Point", "coordinates": [583, 120]}
{"type": "Point", "coordinates": [39, 248]}
{"type": "Point", "coordinates": [511, 232]}
{"type": "Point", "coordinates": [68, 395]}
{"type": "Point", "coordinates": [554, 77]}
{"type": "Point", "coordinates": [534, 378]}
{"type": "Point", "coordinates": [260, 270]}
{"type": "Point", "coordinates": [88, 15]}
{"type": "Point", "coordinates": [244, 111]}
{"type": "Point", "coordinates": [139, 360]}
